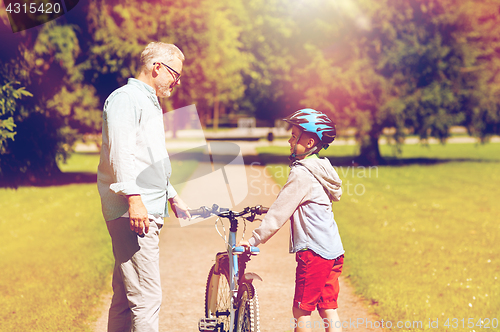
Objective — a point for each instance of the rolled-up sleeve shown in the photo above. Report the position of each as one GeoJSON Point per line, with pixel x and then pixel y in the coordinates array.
{"type": "Point", "coordinates": [171, 193]}
{"type": "Point", "coordinates": [122, 119]}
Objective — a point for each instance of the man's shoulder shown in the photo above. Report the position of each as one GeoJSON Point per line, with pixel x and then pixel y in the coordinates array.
{"type": "Point", "coordinates": [127, 94]}
{"type": "Point", "coordinates": [124, 91]}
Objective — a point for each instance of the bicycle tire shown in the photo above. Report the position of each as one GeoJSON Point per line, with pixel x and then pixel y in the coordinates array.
{"type": "Point", "coordinates": [218, 297]}
{"type": "Point", "coordinates": [247, 315]}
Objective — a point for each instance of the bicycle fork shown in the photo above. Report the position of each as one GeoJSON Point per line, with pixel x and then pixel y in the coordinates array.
{"type": "Point", "coordinates": [236, 266]}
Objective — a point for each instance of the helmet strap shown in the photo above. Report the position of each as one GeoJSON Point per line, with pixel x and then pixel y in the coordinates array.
{"type": "Point", "coordinates": [294, 156]}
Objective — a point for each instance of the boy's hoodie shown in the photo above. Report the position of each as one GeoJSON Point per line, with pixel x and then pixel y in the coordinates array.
{"type": "Point", "coordinates": [306, 199]}
{"type": "Point", "coordinates": [326, 175]}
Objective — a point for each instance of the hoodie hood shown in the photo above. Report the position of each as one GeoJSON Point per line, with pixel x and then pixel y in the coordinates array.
{"type": "Point", "coordinates": [327, 176]}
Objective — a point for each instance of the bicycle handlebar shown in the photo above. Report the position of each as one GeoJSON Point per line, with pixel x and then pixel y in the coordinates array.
{"type": "Point", "coordinates": [200, 212]}
{"type": "Point", "coordinates": [206, 212]}
{"type": "Point", "coordinates": [263, 209]}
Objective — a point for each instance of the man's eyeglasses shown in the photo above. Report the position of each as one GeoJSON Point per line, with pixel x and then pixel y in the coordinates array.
{"type": "Point", "coordinates": [176, 78]}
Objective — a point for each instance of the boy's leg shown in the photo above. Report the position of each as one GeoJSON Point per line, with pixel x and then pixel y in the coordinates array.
{"type": "Point", "coordinates": [302, 320]}
{"type": "Point", "coordinates": [331, 317]}
{"type": "Point", "coordinates": [311, 276]}
{"type": "Point", "coordinates": [327, 305]}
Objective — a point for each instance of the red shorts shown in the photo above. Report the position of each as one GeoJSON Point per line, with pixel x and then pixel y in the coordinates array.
{"type": "Point", "coordinates": [316, 281]}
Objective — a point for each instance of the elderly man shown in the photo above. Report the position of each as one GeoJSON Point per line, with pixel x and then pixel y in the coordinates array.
{"type": "Point", "coordinates": [133, 182]}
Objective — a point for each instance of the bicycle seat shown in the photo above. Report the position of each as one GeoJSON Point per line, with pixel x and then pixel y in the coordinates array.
{"type": "Point", "coordinates": [240, 250]}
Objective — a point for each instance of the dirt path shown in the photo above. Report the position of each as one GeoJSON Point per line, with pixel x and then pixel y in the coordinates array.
{"type": "Point", "coordinates": [187, 253]}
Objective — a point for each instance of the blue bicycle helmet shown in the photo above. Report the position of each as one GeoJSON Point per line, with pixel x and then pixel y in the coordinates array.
{"type": "Point", "coordinates": [315, 122]}
{"type": "Point", "coordinates": [312, 121]}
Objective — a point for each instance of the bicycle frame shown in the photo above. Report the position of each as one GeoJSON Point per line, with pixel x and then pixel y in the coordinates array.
{"type": "Point", "coordinates": [234, 273]}
{"type": "Point", "coordinates": [231, 265]}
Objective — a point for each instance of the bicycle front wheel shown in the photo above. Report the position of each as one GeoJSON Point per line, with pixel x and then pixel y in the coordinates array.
{"type": "Point", "coordinates": [218, 297]}
{"type": "Point", "coordinates": [248, 319]}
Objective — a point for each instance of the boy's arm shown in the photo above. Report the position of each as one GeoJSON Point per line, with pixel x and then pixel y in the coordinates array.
{"type": "Point", "coordinates": [294, 192]}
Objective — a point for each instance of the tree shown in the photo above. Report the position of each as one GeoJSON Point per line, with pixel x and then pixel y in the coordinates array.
{"type": "Point", "coordinates": [422, 65]}
{"type": "Point", "coordinates": [42, 128]}
{"type": "Point", "coordinates": [478, 43]}
{"type": "Point", "coordinates": [418, 66]}
{"type": "Point", "coordinates": [9, 95]}
{"type": "Point", "coordinates": [203, 30]}
{"type": "Point", "coordinates": [270, 34]}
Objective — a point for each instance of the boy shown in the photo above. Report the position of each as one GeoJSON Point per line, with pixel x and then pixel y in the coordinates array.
{"type": "Point", "coordinates": [306, 199]}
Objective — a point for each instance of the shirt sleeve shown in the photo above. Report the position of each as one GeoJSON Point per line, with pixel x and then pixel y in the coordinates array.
{"type": "Point", "coordinates": [294, 192]}
{"type": "Point", "coordinates": [171, 193]}
{"type": "Point", "coordinates": [122, 119]}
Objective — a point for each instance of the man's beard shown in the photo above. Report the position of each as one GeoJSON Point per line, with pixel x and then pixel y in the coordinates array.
{"type": "Point", "coordinates": [163, 90]}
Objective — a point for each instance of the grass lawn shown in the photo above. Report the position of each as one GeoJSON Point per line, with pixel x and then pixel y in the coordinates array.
{"type": "Point", "coordinates": [421, 240]}
{"type": "Point", "coordinates": [55, 252]}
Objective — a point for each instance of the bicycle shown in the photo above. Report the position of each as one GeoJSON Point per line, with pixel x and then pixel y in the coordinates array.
{"type": "Point", "coordinates": [231, 301]}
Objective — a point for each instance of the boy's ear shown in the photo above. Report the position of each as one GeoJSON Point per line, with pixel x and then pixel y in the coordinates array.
{"type": "Point", "coordinates": [311, 142]}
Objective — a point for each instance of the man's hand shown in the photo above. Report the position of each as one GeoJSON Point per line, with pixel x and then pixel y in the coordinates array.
{"type": "Point", "coordinates": [138, 215]}
{"type": "Point", "coordinates": [179, 207]}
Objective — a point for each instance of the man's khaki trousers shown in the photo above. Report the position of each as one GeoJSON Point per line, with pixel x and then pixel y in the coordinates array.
{"type": "Point", "coordinates": [135, 306]}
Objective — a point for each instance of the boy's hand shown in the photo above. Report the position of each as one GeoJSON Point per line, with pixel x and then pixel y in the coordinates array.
{"type": "Point", "coordinates": [244, 243]}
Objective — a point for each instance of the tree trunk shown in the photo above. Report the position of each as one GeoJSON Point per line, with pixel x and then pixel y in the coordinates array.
{"type": "Point", "coordinates": [370, 151]}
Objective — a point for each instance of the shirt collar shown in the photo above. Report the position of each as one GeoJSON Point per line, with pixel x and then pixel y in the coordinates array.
{"type": "Point", "coordinates": [147, 89]}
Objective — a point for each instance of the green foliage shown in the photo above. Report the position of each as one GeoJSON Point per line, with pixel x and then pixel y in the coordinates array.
{"type": "Point", "coordinates": [8, 97]}
{"type": "Point", "coordinates": [418, 66]}
{"type": "Point", "coordinates": [421, 65]}
{"type": "Point", "coordinates": [269, 35]}
{"type": "Point", "coordinates": [39, 131]}
{"type": "Point", "coordinates": [203, 30]}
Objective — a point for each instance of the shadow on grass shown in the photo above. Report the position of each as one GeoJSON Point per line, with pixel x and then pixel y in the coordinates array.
{"type": "Point", "coordinates": [268, 158]}
{"type": "Point", "coordinates": [59, 179]}
{"type": "Point", "coordinates": [66, 178]}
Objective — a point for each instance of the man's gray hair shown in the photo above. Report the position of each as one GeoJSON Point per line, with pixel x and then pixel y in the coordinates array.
{"type": "Point", "coordinates": [159, 52]}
